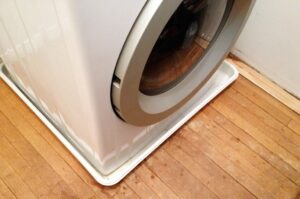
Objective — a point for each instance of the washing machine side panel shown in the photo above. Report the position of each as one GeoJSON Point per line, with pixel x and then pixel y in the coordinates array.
{"type": "Point", "coordinates": [103, 27]}
{"type": "Point", "coordinates": [63, 55]}
{"type": "Point", "coordinates": [35, 46]}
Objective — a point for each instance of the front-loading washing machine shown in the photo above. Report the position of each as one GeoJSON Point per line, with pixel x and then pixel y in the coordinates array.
{"type": "Point", "coordinates": [114, 79]}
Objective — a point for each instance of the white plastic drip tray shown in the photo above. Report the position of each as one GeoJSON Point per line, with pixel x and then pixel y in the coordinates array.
{"type": "Point", "coordinates": [223, 77]}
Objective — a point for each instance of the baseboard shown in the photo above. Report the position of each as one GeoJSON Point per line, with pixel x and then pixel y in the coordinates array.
{"type": "Point", "coordinates": [264, 83]}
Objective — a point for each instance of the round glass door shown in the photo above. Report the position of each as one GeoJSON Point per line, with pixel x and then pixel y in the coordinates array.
{"type": "Point", "coordinates": [173, 49]}
{"type": "Point", "coordinates": [183, 41]}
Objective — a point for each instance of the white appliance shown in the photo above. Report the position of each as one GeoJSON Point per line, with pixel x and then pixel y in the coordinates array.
{"type": "Point", "coordinates": [114, 79]}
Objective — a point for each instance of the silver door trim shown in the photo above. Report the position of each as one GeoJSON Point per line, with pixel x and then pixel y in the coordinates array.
{"type": "Point", "coordinates": [138, 109]}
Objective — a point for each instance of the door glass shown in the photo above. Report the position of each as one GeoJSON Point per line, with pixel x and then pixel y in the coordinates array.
{"type": "Point", "coordinates": [183, 41]}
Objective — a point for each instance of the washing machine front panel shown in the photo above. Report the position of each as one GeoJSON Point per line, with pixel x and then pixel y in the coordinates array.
{"type": "Point", "coordinates": [142, 95]}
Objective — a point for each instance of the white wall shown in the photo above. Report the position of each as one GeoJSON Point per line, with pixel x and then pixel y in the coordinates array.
{"type": "Point", "coordinates": [270, 42]}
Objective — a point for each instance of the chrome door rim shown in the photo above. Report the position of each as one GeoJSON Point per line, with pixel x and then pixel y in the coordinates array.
{"type": "Point", "coordinates": [141, 110]}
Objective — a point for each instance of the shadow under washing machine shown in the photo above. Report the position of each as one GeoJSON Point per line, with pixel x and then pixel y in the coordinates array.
{"type": "Point", "coordinates": [114, 79]}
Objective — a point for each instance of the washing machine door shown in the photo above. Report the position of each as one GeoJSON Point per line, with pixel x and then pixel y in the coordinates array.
{"type": "Point", "coordinates": [172, 50]}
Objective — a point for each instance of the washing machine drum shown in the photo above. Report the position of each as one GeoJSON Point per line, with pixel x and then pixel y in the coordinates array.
{"type": "Point", "coordinates": [172, 50]}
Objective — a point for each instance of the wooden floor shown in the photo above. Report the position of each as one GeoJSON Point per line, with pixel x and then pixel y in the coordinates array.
{"type": "Point", "coordinates": [245, 144]}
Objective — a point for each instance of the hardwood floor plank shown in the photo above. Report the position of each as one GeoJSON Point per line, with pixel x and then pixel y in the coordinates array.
{"type": "Point", "coordinates": [264, 115]}
{"type": "Point", "coordinates": [235, 113]}
{"type": "Point", "coordinates": [53, 159]}
{"type": "Point", "coordinates": [254, 145]}
{"type": "Point", "coordinates": [68, 157]}
{"type": "Point", "coordinates": [180, 180]}
{"type": "Point", "coordinates": [63, 152]}
{"type": "Point", "coordinates": [294, 126]}
{"type": "Point", "coordinates": [259, 125]}
{"type": "Point", "coordinates": [216, 179]}
{"type": "Point", "coordinates": [197, 146]}
{"type": "Point", "coordinates": [5, 193]}
{"type": "Point", "coordinates": [43, 149]}
{"type": "Point", "coordinates": [264, 100]}
{"type": "Point", "coordinates": [252, 162]}
{"type": "Point", "coordinates": [13, 181]}
{"type": "Point", "coordinates": [31, 156]}
{"type": "Point", "coordinates": [154, 182]}
{"type": "Point", "coordinates": [24, 170]}
{"type": "Point", "coordinates": [8, 107]}
{"type": "Point", "coordinates": [141, 189]}
{"type": "Point", "coordinates": [244, 145]}
{"type": "Point", "coordinates": [269, 87]}
{"type": "Point", "coordinates": [268, 123]}
{"type": "Point", "coordinates": [257, 175]}
{"type": "Point", "coordinates": [121, 191]}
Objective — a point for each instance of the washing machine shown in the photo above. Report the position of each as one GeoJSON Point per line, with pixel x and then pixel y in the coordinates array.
{"type": "Point", "coordinates": [114, 79]}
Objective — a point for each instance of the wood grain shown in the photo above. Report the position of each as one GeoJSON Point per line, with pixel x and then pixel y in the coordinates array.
{"type": "Point", "coordinates": [270, 87]}
{"type": "Point", "coordinates": [216, 179]}
{"type": "Point", "coordinates": [249, 159]}
{"type": "Point", "coordinates": [245, 144]}
{"type": "Point", "coordinates": [166, 167]}
{"type": "Point", "coordinates": [295, 126]}
{"type": "Point", "coordinates": [265, 101]}
{"type": "Point", "coordinates": [14, 182]}
{"type": "Point", "coordinates": [5, 193]}
{"type": "Point", "coordinates": [241, 136]}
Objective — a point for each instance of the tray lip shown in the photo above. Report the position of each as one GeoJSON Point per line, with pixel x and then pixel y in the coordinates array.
{"type": "Point", "coordinates": [117, 175]}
